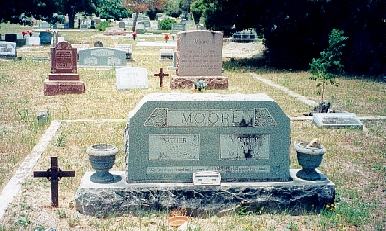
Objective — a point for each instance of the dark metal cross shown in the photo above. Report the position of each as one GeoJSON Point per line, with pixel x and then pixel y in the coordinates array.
{"type": "Point", "coordinates": [54, 174]}
{"type": "Point", "coordinates": [161, 75]}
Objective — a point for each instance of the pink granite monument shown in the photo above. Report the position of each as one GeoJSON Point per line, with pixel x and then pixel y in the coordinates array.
{"type": "Point", "coordinates": [63, 78]}
{"type": "Point", "coordinates": [199, 57]}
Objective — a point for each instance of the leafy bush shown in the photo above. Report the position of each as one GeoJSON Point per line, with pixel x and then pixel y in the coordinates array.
{"type": "Point", "coordinates": [103, 25]}
{"type": "Point", "coordinates": [166, 24]}
{"type": "Point", "coordinates": [324, 68]}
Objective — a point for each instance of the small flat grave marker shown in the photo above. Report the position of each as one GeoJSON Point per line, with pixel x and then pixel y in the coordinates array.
{"type": "Point", "coordinates": [54, 174]}
{"type": "Point", "coordinates": [131, 78]}
{"type": "Point", "coordinates": [337, 120]}
{"type": "Point", "coordinates": [166, 54]}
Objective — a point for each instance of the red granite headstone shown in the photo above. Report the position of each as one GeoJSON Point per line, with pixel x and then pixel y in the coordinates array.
{"type": "Point", "coordinates": [63, 78]}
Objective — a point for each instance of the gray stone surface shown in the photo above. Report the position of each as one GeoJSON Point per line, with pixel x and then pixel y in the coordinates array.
{"type": "Point", "coordinates": [127, 48]}
{"type": "Point", "coordinates": [170, 136]}
{"type": "Point", "coordinates": [120, 198]}
{"type": "Point", "coordinates": [102, 57]}
{"type": "Point", "coordinates": [337, 120]}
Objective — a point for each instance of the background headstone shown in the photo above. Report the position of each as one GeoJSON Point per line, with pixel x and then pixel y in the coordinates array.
{"type": "Point", "coordinates": [45, 37]}
{"type": "Point", "coordinates": [102, 57]}
{"type": "Point", "coordinates": [7, 49]}
{"type": "Point", "coordinates": [199, 57]}
{"type": "Point", "coordinates": [122, 25]}
{"type": "Point", "coordinates": [166, 54]}
{"type": "Point", "coordinates": [63, 78]}
{"type": "Point", "coordinates": [127, 48]}
{"type": "Point", "coordinates": [10, 37]}
{"type": "Point", "coordinates": [33, 41]}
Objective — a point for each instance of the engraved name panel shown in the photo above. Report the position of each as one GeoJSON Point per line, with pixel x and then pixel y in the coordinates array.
{"type": "Point", "coordinates": [221, 169]}
{"type": "Point", "coordinates": [163, 117]}
{"type": "Point", "coordinates": [244, 146]}
{"type": "Point", "coordinates": [174, 146]}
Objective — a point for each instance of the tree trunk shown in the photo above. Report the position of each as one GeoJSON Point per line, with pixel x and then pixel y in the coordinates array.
{"type": "Point", "coordinates": [71, 18]}
{"type": "Point", "coordinates": [135, 21]}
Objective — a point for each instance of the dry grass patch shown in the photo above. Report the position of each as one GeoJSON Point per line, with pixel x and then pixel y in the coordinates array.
{"type": "Point", "coordinates": [359, 203]}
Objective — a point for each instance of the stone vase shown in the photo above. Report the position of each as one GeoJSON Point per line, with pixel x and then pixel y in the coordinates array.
{"type": "Point", "coordinates": [102, 158]}
{"type": "Point", "coordinates": [309, 158]}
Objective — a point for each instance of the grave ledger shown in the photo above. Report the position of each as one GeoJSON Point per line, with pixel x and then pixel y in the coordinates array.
{"type": "Point", "coordinates": [238, 142]}
{"type": "Point", "coordinates": [199, 57]}
{"type": "Point", "coordinates": [63, 78]}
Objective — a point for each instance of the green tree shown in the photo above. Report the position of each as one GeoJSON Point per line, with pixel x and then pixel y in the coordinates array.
{"type": "Point", "coordinates": [138, 6]}
{"type": "Point", "coordinates": [172, 8]}
{"type": "Point", "coordinates": [324, 68]}
{"type": "Point", "coordinates": [111, 9]}
{"type": "Point", "coordinates": [197, 8]}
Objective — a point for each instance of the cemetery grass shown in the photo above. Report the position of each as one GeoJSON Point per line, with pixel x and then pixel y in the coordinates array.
{"type": "Point", "coordinates": [355, 160]}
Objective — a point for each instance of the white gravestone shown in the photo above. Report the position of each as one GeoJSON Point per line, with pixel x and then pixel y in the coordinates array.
{"type": "Point", "coordinates": [131, 78]}
{"type": "Point", "coordinates": [33, 41]}
{"type": "Point", "coordinates": [166, 54]}
{"type": "Point", "coordinates": [8, 49]}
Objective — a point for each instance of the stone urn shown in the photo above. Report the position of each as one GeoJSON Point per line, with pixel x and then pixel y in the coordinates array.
{"type": "Point", "coordinates": [309, 155]}
{"type": "Point", "coordinates": [102, 158]}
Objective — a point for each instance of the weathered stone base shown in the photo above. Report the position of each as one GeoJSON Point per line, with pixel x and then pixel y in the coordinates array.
{"type": "Point", "coordinates": [213, 82]}
{"type": "Point", "coordinates": [63, 76]}
{"type": "Point", "coordinates": [120, 198]}
{"type": "Point", "coordinates": [58, 87]}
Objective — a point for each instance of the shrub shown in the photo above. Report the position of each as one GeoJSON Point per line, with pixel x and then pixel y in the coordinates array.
{"type": "Point", "coordinates": [166, 24]}
{"type": "Point", "coordinates": [324, 68]}
{"type": "Point", "coordinates": [103, 25]}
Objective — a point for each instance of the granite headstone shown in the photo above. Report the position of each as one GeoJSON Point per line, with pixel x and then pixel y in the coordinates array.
{"type": "Point", "coordinates": [45, 37]}
{"type": "Point", "coordinates": [199, 57]}
{"type": "Point", "coordinates": [171, 136]}
{"type": "Point", "coordinates": [63, 78]}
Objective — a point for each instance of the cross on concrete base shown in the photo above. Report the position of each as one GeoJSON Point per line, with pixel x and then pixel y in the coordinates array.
{"type": "Point", "coordinates": [161, 75]}
{"type": "Point", "coordinates": [54, 174]}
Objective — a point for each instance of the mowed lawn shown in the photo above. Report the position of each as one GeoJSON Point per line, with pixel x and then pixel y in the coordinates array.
{"type": "Point", "coordinates": [355, 159]}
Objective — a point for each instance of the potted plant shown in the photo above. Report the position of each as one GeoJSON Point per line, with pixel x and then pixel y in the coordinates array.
{"type": "Point", "coordinates": [309, 156]}
{"type": "Point", "coordinates": [324, 68]}
{"type": "Point", "coordinates": [200, 85]}
{"type": "Point", "coordinates": [102, 158]}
